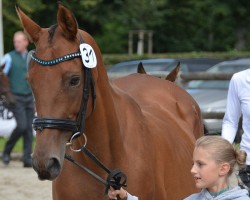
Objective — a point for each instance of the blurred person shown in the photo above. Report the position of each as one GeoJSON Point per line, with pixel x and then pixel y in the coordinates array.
{"type": "Point", "coordinates": [23, 109]}
{"type": "Point", "coordinates": [238, 104]}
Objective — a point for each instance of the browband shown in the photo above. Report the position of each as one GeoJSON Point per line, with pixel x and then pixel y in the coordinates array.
{"type": "Point", "coordinates": [56, 60]}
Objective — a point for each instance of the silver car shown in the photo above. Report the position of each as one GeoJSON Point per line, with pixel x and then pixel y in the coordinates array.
{"type": "Point", "coordinates": [211, 95]}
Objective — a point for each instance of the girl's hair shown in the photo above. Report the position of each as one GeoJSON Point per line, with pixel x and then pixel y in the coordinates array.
{"type": "Point", "coordinates": [222, 151]}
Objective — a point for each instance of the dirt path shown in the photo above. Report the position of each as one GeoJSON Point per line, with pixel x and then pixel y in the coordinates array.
{"type": "Point", "coordinates": [18, 183]}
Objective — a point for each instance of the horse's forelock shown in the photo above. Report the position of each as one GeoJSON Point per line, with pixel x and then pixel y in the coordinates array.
{"type": "Point", "coordinates": [51, 31]}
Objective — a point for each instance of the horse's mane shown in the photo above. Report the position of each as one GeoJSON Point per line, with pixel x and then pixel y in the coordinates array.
{"type": "Point", "coordinates": [51, 31]}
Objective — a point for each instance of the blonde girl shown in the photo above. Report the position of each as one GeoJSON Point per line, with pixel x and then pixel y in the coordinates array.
{"type": "Point", "coordinates": [214, 161]}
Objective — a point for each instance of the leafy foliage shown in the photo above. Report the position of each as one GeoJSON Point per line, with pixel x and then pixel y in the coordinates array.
{"type": "Point", "coordinates": [178, 25]}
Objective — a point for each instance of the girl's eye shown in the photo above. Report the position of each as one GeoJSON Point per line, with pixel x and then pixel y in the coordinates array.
{"type": "Point", "coordinates": [200, 164]}
{"type": "Point", "coordinates": [74, 81]}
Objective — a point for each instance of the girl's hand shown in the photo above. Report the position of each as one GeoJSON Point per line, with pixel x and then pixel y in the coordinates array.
{"type": "Point", "coordinates": [113, 193]}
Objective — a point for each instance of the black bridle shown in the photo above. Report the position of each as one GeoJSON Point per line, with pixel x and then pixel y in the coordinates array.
{"type": "Point", "coordinates": [65, 124]}
{"type": "Point", "coordinates": [115, 178]}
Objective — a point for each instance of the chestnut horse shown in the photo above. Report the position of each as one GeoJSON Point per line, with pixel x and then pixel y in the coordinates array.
{"type": "Point", "coordinates": [140, 124]}
{"type": "Point", "coordinates": [5, 93]}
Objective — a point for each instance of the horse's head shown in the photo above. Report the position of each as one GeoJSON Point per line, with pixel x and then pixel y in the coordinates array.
{"type": "Point", "coordinates": [57, 77]}
{"type": "Point", "coordinates": [5, 88]}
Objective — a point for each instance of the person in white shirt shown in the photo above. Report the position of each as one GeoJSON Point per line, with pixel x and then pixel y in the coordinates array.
{"type": "Point", "coordinates": [238, 104]}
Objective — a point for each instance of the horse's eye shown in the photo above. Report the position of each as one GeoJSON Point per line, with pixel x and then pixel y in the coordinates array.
{"type": "Point", "coordinates": [74, 81]}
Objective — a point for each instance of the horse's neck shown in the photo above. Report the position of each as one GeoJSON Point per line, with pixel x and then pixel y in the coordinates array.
{"type": "Point", "coordinates": [105, 127]}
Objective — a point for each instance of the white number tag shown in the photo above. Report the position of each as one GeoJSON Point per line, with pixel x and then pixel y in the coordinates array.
{"type": "Point", "coordinates": [88, 55]}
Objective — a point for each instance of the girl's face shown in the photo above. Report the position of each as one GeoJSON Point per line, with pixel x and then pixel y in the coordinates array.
{"type": "Point", "coordinates": [207, 173]}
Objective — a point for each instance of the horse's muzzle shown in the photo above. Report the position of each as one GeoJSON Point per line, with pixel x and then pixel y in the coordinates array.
{"type": "Point", "coordinates": [49, 170]}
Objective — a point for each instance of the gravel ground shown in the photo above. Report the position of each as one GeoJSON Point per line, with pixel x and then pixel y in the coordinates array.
{"type": "Point", "coordinates": [19, 183]}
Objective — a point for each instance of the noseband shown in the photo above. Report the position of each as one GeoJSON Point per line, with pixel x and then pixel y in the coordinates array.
{"type": "Point", "coordinates": [65, 124]}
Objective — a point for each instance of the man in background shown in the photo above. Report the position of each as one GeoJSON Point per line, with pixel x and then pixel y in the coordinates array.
{"type": "Point", "coordinates": [23, 110]}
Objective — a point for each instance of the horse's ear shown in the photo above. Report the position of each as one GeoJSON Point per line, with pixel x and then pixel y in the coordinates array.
{"type": "Point", "coordinates": [172, 76]}
{"type": "Point", "coordinates": [140, 69]}
{"type": "Point", "coordinates": [67, 22]}
{"type": "Point", "coordinates": [30, 27]}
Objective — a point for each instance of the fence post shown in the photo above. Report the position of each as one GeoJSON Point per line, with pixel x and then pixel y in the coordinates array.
{"type": "Point", "coordinates": [150, 42]}
{"type": "Point", "coordinates": [130, 42]}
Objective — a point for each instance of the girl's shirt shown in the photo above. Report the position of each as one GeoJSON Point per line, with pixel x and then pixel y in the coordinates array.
{"type": "Point", "coordinates": [235, 193]}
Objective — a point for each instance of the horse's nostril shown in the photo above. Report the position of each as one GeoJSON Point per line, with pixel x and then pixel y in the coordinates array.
{"type": "Point", "coordinates": [53, 166]}
{"type": "Point", "coordinates": [47, 170]}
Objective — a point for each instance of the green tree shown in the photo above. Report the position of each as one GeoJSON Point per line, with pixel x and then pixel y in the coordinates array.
{"type": "Point", "coordinates": [178, 25]}
{"type": "Point", "coordinates": [11, 22]}
{"type": "Point", "coordinates": [208, 25]}
{"type": "Point", "coordinates": [124, 16]}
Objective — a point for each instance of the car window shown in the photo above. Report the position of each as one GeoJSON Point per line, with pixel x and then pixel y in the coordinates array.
{"type": "Point", "coordinates": [184, 67]}
{"type": "Point", "coordinates": [218, 84]}
{"type": "Point", "coordinates": [229, 68]}
{"type": "Point", "coordinates": [149, 67]}
{"type": "Point", "coordinates": [209, 84]}
{"type": "Point", "coordinates": [129, 68]}
{"type": "Point", "coordinates": [196, 67]}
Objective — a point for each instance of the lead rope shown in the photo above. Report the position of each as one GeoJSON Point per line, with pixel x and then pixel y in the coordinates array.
{"type": "Point", "coordinates": [116, 178]}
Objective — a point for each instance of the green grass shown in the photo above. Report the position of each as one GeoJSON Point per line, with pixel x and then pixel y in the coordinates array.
{"type": "Point", "coordinates": [17, 148]}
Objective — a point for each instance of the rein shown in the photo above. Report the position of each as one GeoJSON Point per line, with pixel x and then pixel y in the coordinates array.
{"type": "Point", "coordinates": [116, 178]}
